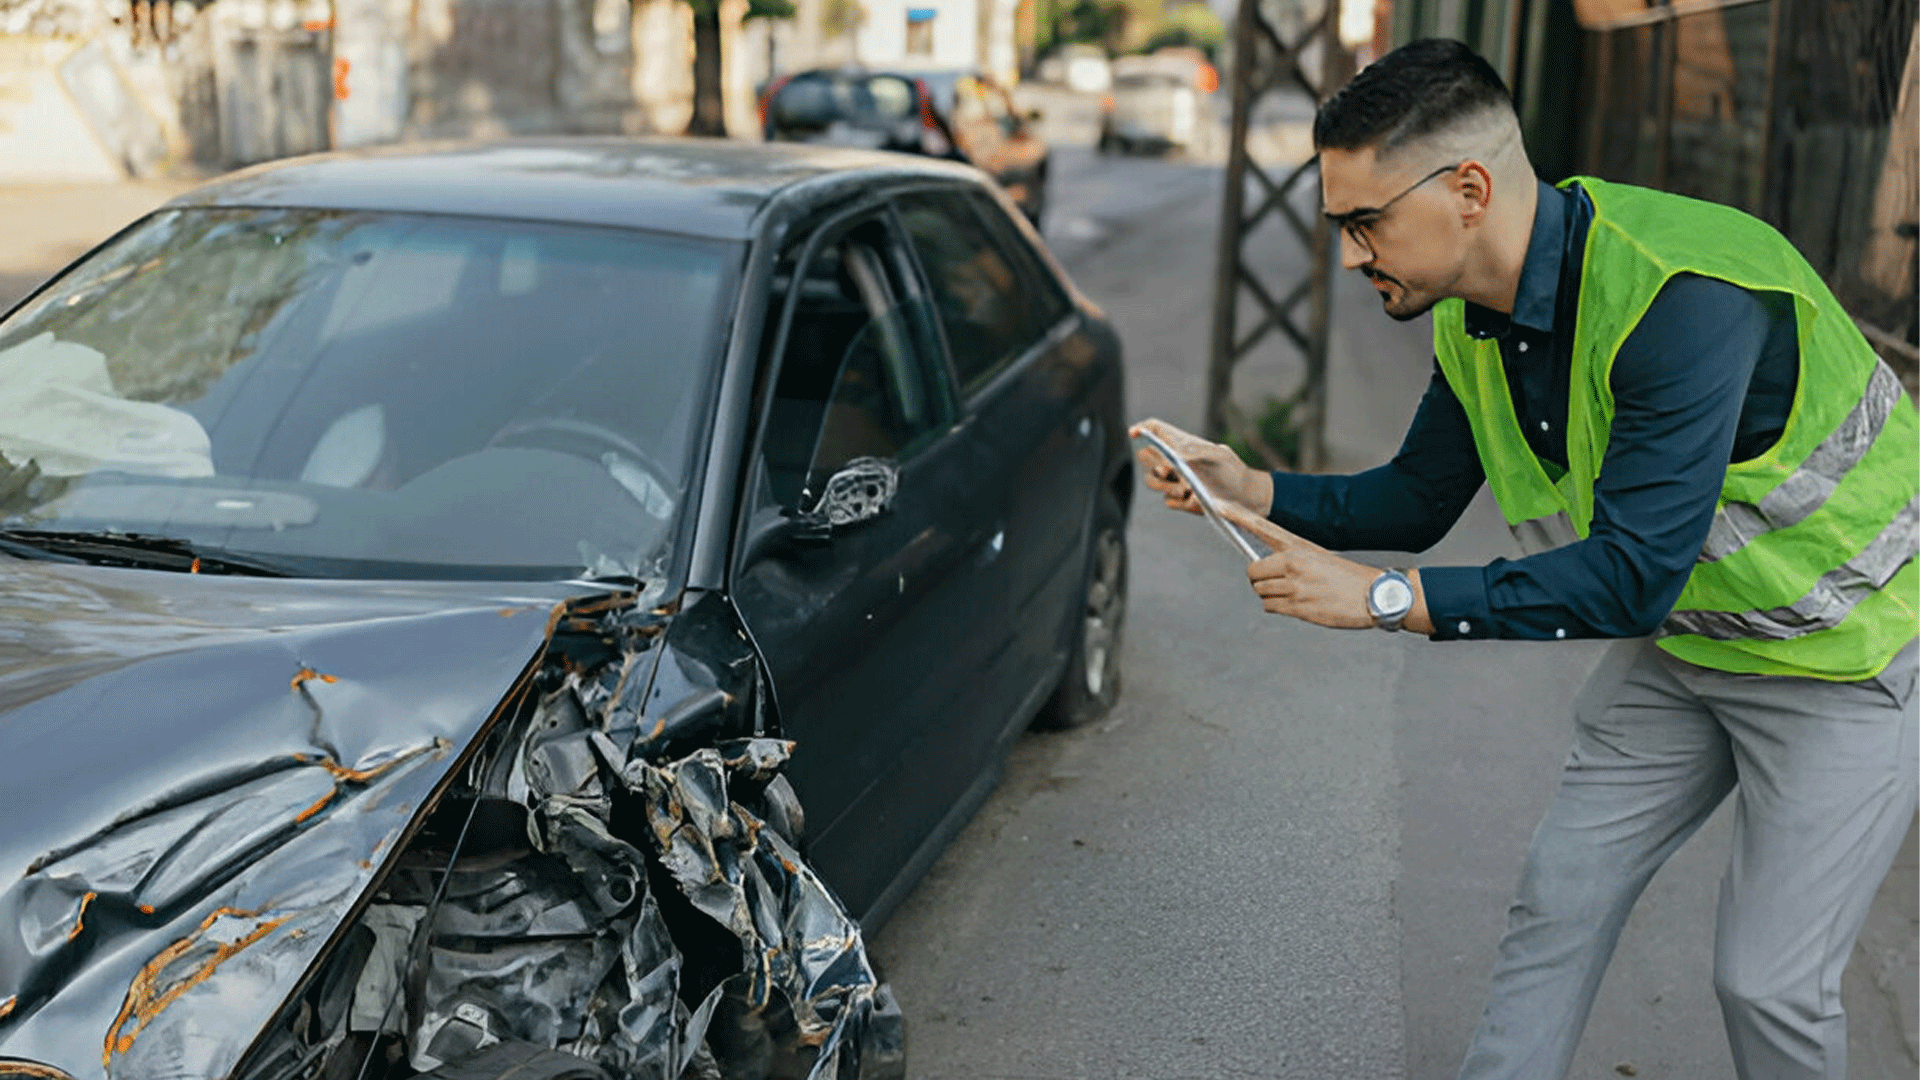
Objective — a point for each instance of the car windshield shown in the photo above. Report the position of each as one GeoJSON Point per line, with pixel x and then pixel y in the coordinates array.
{"type": "Point", "coordinates": [815, 103]}
{"type": "Point", "coordinates": [352, 394]}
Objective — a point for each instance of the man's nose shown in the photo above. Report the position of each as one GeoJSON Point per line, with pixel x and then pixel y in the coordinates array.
{"type": "Point", "coordinates": [1353, 254]}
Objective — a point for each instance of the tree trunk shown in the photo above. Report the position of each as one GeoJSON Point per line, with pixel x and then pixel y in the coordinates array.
{"type": "Point", "coordinates": [709, 112]}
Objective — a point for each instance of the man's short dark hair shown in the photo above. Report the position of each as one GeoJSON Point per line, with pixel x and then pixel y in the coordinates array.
{"type": "Point", "coordinates": [1413, 91]}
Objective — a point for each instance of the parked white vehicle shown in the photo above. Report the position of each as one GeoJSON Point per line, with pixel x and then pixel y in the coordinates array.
{"type": "Point", "coordinates": [1151, 110]}
{"type": "Point", "coordinates": [1081, 67]}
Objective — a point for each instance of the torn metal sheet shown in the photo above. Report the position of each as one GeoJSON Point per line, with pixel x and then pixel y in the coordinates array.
{"type": "Point", "coordinates": [807, 1002]}
{"type": "Point", "coordinates": [549, 926]}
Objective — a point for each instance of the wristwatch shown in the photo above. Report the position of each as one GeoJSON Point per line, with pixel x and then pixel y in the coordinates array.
{"type": "Point", "coordinates": [1389, 599]}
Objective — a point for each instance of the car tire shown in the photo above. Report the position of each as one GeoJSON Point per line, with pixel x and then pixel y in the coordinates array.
{"type": "Point", "coordinates": [1091, 683]}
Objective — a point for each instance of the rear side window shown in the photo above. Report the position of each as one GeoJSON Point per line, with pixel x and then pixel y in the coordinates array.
{"type": "Point", "coordinates": [811, 104]}
{"type": "Point", "coordinates": [994, 299]}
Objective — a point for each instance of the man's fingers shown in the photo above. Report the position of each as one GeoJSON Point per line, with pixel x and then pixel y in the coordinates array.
{"type": "Point", "coordinates": [1155, 468]}
{"type": "Point", "coordinates": [1272, 588]}
{"type": "Point", "coordinates": [1183, 443]}
{"type": "Point", "coordinates": [1263, 530]}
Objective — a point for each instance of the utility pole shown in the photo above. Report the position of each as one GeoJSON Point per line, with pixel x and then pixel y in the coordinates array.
{"type": "Point", "coordinates": [1264, 64]}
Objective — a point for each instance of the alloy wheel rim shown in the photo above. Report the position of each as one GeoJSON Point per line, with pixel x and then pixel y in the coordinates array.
{"type": "Point", "coordinates": [1106, 600]}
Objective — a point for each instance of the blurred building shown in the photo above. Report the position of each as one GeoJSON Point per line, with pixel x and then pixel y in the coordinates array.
{"type": "Point", "coordinates": [912, 34]}
{"type": "Point", "coordinates": [105, 89]}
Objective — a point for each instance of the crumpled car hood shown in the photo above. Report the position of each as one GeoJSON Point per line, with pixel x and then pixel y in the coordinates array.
{"type": "Point", "coordinates": [202, 774]}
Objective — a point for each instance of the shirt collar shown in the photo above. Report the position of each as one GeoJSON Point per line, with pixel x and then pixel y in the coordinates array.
{"type": "Point", "coordinates": [1533, 301]}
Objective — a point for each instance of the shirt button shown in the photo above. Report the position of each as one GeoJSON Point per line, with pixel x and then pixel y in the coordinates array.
{"type": "Point", "coordinates": [1522, 346]}
{"type": "Point", "coordinates": [1560, 632]}
{"type": "Point", "coordinates": [1544, 426]}
{"type": "Point", "coordinates": [1465, 626]}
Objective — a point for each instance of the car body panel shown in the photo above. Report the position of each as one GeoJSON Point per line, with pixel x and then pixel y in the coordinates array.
{"type": "Point", "coordinates": [705, 188]}
{"type": "Point", "coordinates": [217, 768]}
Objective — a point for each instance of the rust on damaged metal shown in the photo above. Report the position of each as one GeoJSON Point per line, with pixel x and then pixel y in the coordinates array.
{"type": "Point", "coordinates": [155, 987]}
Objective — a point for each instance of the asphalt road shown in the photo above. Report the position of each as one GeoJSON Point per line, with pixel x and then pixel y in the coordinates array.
{"type": "Point", "coordinates": [1289, 851]}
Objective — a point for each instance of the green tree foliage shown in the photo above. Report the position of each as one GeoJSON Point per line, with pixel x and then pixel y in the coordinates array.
{"type": "Point", "coordinates": [1082, 22]}
{"type": "Point", "coordinates": [1190, 24]}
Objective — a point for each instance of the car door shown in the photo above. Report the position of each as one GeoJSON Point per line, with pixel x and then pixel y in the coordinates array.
{"type": "Point", "coordinates": [1023, 369]}
{"type": "Point", "coordinates": [881, 639]}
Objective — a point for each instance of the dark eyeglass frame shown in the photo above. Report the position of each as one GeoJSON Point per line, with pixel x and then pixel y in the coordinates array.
{"type": "Point", "coordinates": [1355, 223]}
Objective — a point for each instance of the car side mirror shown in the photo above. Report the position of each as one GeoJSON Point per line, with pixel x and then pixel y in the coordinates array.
{"type": "Point", "coordinates": [858, 491]}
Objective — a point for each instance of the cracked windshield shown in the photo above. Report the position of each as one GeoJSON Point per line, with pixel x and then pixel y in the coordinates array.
{"type": "Point", "coordinates": [328, 393]}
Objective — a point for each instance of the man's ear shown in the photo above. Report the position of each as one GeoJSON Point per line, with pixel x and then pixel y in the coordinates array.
{"type": "Point", "coordinates": [1474, 184]}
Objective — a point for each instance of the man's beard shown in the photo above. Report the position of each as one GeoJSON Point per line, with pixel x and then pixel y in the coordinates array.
{"type": "Point", "coordinates": [1386, 301]}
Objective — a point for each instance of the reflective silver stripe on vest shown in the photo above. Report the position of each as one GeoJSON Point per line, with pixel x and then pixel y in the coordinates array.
{"type": "Point", "coordinates": [1827, 604]}
{"type": "Point", "coordinates": [1798, 496]}
{"type": "Point", "coordinates": [1545, 534]}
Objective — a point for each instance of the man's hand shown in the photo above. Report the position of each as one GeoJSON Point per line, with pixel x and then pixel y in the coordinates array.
{"type": "Point", "coordinates": [1309, 582]}
{"type": "Point", "coordinates": [1217, 466]}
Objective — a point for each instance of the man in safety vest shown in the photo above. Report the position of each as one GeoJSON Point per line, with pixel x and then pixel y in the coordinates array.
{"type": "Point", "coordinates": [1697, 450]}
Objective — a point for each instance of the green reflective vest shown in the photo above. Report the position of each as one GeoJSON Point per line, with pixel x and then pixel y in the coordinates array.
{"type": "Point", "coordinates": [1809, 567]}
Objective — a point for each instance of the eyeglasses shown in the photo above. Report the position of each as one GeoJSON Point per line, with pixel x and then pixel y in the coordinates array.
{"type": "Point", "coordinates": [1357, 223]}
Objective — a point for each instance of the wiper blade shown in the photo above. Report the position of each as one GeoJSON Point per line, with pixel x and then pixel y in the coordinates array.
{"type": "Point", "coordinates": [20, 549]}
{"type": "Point", "coordinates": [137, 550]}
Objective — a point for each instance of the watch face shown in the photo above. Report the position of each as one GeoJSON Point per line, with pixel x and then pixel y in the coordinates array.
{"type": "Point", "coordinates": [1391, 595]}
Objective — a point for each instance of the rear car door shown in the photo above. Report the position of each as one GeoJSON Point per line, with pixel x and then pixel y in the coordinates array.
{"type": "Point", "coordinates": [881, 639]}
{"type": "Point", "coordinates": [1024, 371]}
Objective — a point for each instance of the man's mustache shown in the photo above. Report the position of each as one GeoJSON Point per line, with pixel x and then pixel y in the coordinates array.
{"type": "Point", "coordinates": [1376, 276]}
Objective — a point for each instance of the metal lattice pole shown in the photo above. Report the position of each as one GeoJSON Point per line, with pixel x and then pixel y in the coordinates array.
{"type": "Point", "coordinates": [1263, 64]}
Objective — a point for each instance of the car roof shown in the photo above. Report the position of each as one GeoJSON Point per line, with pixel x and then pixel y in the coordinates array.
{"type": "Point", "coordinates": [712, 188]}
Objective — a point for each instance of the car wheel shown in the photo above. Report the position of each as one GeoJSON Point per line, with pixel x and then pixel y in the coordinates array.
{"type": "Point", "coordinates": [1091, 683]}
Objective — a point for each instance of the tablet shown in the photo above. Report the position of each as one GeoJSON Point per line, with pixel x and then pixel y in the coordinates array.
{"type": "Point", "coordinates": [1207, 502]}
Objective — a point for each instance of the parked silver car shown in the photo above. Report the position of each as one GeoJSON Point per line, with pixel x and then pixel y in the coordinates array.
{"type": "Point", "coordinates": [1151, 110]}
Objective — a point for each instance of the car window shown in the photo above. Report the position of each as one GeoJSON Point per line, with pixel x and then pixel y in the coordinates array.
{"type": "Point", "coordinates": [989, 302]}
{"type": "Point", "coordinates": [811, 104]}
{"type": "Point", "coordinates": [1046, 299]}
{"type": "Point", "coordinates": [363, 394]}
{"type": "Point", "coordinates": [857, 376]}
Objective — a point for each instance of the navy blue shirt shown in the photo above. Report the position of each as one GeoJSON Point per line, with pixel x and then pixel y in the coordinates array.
{"type": "Point", "coordinates": [1705, 378]}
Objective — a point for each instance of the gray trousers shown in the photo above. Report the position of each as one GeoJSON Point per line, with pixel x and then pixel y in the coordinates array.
{"type": "Point", "coordinates": [1824, 776]}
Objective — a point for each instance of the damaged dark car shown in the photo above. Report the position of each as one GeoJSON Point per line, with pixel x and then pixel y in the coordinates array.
{"type": "Point", "coordinates": [525, 610]}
